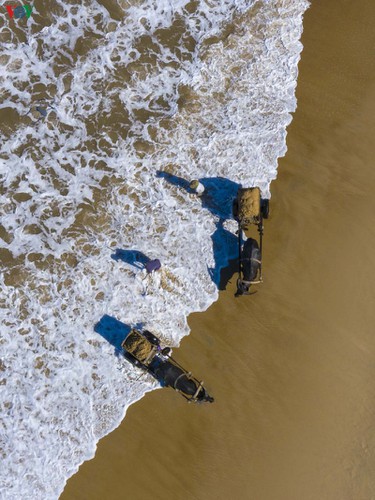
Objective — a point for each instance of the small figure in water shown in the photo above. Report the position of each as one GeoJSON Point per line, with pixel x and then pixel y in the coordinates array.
{"type": "Point", "coordinates": [41, 110]}
{"type": "Point", "coordinates": [152, 265]}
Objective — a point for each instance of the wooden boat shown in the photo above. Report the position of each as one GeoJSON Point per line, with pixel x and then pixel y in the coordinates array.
{"type": "Point", "coordinates": [249, 208]}
{"type": "Point", "coordinates": [142, 348]}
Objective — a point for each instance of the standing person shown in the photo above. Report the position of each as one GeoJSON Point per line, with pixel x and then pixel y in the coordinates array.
{"type": "Point", "coordinates": [152, 265]}
{"type": "Point", "coordinates": [197, 187]}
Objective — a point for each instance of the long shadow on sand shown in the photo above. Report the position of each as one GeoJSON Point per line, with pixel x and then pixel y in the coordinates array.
{"type": "Point", "coordinates": [132, 257]}
{"type": "Point", "coordinates": [113, 331]}
{"type": "Point", "coordinates": [217, 197]}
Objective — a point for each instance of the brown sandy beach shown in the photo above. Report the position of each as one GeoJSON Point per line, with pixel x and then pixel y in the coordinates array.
{"type": "Point", "coordinates": [291, 367]}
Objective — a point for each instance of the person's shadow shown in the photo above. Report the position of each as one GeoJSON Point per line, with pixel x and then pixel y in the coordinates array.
{"type": "Point", "coordinates": [217, 197]}
{"type": "Point", "coordinates": [113, 331]}
{"type": "Point", "coordinates": [218, 194]}
{"type": "Point", "coordinates": [132, 257]}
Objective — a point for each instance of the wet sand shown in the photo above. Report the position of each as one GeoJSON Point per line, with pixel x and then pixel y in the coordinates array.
{"type": "Point", "coordinates": [292, 366]}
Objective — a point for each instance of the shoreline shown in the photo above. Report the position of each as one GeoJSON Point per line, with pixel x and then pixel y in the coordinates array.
{"type": "Point", "coordinates": [287, 407]}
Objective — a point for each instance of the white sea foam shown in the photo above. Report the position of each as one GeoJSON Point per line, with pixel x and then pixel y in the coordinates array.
{"type": "Point", "coordinates": [127, 119]}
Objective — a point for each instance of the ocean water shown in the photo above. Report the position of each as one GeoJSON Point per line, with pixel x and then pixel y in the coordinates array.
{"type": "Point", "coordinates": [108, 110]}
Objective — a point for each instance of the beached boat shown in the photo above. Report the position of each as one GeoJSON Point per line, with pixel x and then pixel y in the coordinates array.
{"type": "Point", "coordinates": [249, 208]}
{"type": "Point", "coordinates": [143, 350]}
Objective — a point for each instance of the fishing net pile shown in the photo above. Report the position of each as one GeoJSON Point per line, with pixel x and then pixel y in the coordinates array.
{"type": "Point", "coordinates": [248, 205]}
{"type": "Point", "coordinates": [138, 346]}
